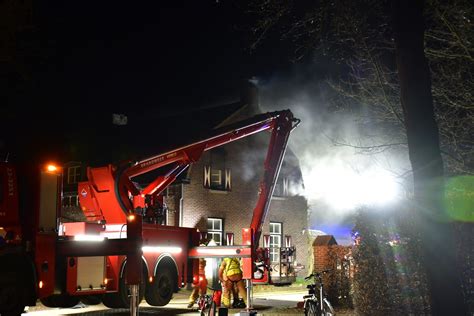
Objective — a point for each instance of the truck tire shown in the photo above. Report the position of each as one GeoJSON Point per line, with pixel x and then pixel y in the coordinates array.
{"type": "Point", "coordinates": [60, 300]}
{"type": "Point", "coordinates": [160, 291]}
{"type": "Point", "coordinates": [121, 299]}
{"type": "Point", "coordinates": [91, 299]}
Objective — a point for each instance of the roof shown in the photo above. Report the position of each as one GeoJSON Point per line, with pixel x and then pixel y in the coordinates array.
{"type": "Point", "coordinates": [324, 240]}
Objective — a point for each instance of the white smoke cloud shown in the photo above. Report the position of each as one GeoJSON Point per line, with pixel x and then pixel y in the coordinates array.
{"type": "Point", "coordinates": [338, 179]}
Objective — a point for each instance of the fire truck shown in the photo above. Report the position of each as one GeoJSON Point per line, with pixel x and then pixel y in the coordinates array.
{"type": "Point", "coordinates": [123, 252]}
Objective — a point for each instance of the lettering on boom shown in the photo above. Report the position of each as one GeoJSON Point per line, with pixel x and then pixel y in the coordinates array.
{"type": "Point", "coordinates": [172, 155]}
{"type": "Point", "coordinates": [151, 162]}
{"type": "Point", "coordinates": [157, 159]}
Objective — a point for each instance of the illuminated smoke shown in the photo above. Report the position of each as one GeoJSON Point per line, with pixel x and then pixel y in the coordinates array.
{"type": "Point", "coordinates": [338, 179]}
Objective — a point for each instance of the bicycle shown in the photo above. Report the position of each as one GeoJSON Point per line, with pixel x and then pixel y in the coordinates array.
{"type": "Point", "coordinates": [315, 303]}
{"type": "Point", "coordinates": [208, 304]}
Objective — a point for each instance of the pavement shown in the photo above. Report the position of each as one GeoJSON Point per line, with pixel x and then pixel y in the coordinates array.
{"type": "Point", "coordinates": [272, 301]}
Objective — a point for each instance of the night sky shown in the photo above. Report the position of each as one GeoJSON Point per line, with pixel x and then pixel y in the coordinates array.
{"type": "Point", "coordinates": [134, 57]}
{"type": "Point", "coordinates": [158, 59]}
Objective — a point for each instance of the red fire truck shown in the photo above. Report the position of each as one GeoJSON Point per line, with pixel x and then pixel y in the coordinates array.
{"type": "Point", "coordinates": [123, 249]}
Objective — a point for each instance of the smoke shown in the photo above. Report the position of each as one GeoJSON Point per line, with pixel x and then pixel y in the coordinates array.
{"type": "Point", "coordinates": [338, 177]}
{"type": "Point", "coordinates": [249, 161]}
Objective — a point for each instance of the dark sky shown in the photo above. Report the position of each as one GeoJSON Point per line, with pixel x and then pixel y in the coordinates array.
{"type": "Point", "coordinates": [129, 56]}
{"type": "Point", "coordinates": [155, 59]}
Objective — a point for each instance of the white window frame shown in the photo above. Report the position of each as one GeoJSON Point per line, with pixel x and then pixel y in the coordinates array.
{"type": "Point", "coordinates": [215, 230]}
{"type": "Point", "coordinates": [73, 174]}
{"type": "Point", "coordinates": [70, 200]}
{"type": "Point", "coordinates": [216, 177]}
{"type": "Point", "coordinates": [275, 240]}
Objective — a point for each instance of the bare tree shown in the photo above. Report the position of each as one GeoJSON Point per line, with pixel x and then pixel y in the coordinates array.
{"type": "Point", "coordinates": [425, 157]}
{"type": "Point", "coordinates": [360, 34]}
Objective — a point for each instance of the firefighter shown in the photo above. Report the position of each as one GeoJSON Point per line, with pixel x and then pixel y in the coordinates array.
{"type": "Point", "coordinates": [230, 275]}
{"type": "Point", "coordinates": [200, 285]}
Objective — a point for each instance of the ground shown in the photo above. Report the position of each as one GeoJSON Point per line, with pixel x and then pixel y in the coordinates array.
{"type": "Point", "coordinates": [267, 301]}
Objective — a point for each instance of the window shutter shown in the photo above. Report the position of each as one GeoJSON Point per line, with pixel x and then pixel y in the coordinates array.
{"type": "Point", "coordinates": [230, 239]}
{"type": "Point", "coordinates": [266, 241]}
{"type": "Point", "coordinates": [207, 176]}
{"type": "Point", "coordinates": [285, 186]}
{"type": "Point", "coordinates": [228, 179]}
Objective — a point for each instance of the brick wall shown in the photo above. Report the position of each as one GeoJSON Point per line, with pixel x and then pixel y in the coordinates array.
{"type": "Point", "coordinates": [235, 207]}
{"type": "Point", "coordinates": [324, 255]}
{"type": "Point", "coordinates": [337, 283]}
{"type": "Point", "coordinates": [321, 257]}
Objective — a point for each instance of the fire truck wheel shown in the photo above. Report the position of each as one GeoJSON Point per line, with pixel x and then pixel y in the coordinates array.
{"type": "Point", "coordinates": [121, 299]}
{"type": "Point", "coordinates": [60, 300]}
{"type": "Point", "coordinates": [91, 299]}
{"type": "Point", "coordinates": [160, 291]}
{"type": "Point", "coordinates": [112, 300]}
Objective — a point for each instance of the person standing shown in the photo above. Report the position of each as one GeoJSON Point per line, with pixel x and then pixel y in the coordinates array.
{"type": "Point", "coordinates": [200, 285]}
{"type": "Point", "coordinates": [230, 275]}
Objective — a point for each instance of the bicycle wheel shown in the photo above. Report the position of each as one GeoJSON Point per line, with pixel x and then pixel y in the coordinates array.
{"type": "Point", "coordinates": [205, 305]}
{"type": "Point", "coordinates": [327, 308]}
{"type": "Point", "coordinates": [311, 308]}
{"type": "Point", "coordinates": [200, 304]}
{"type": "Point", "coordinates": [212, 309]}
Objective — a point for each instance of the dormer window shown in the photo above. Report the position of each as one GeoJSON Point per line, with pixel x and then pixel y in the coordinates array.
{"type": "Point", "coordinates": [281, 187]}
{"type": "Point", "coordinates": [216, 175]}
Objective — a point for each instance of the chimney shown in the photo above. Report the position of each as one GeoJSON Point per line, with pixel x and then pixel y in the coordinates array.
{"type": "Point", "coordinates": [249, 94]}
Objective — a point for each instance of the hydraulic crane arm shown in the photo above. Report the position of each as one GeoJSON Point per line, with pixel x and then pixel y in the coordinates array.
{"type": "Point", "coordinates": [125, 196]}
{"type": "Point", "coordinates": [283, 126]}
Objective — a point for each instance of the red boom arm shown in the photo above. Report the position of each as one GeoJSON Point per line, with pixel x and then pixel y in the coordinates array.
{"type": "Point", "coordinates": [280, 123]}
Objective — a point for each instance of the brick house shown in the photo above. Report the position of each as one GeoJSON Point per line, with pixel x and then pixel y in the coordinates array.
{"type": "Point", "coordinates": [218, 193]}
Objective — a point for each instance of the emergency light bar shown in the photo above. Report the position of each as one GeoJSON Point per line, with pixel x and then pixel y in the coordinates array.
{"type": "Point", "coordinates": [88, 238]}
{"type": "Point", "coordinates": [160, 249]}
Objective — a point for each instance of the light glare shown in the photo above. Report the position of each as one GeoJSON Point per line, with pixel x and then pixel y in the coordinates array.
{"type": "Point", "coordinates": [160, 249]}
{"type": "Point", "coordinates": [51, 168]}
{"type": "Point", "coordinates": [88, 238]}
{"type": "Point", "coordinates": [343, 188]}
{"type": "Point", "coordinates": [210, 251]}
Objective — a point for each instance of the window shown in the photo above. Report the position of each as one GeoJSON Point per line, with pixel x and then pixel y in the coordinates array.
{"type": "Point", "coordinates": [73, 174]}
{"type": "Point", "coordinates": [281, 187]}
{"type": "Point", "coordinates": [70, 200]}
{"type": "Point", "coordinates": [275, 241]}
{"type": "Point", "coordinates": [216, 176]}
{"type": "Point", "coordinates": [214, 229]}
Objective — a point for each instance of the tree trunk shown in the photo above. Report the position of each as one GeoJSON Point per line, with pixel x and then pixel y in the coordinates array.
{"type": "Point", "coordinates": [436, 234]}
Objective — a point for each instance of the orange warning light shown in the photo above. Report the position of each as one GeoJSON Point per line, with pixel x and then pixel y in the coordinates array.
{"type": "Point", "coordinates": [51, 168]}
